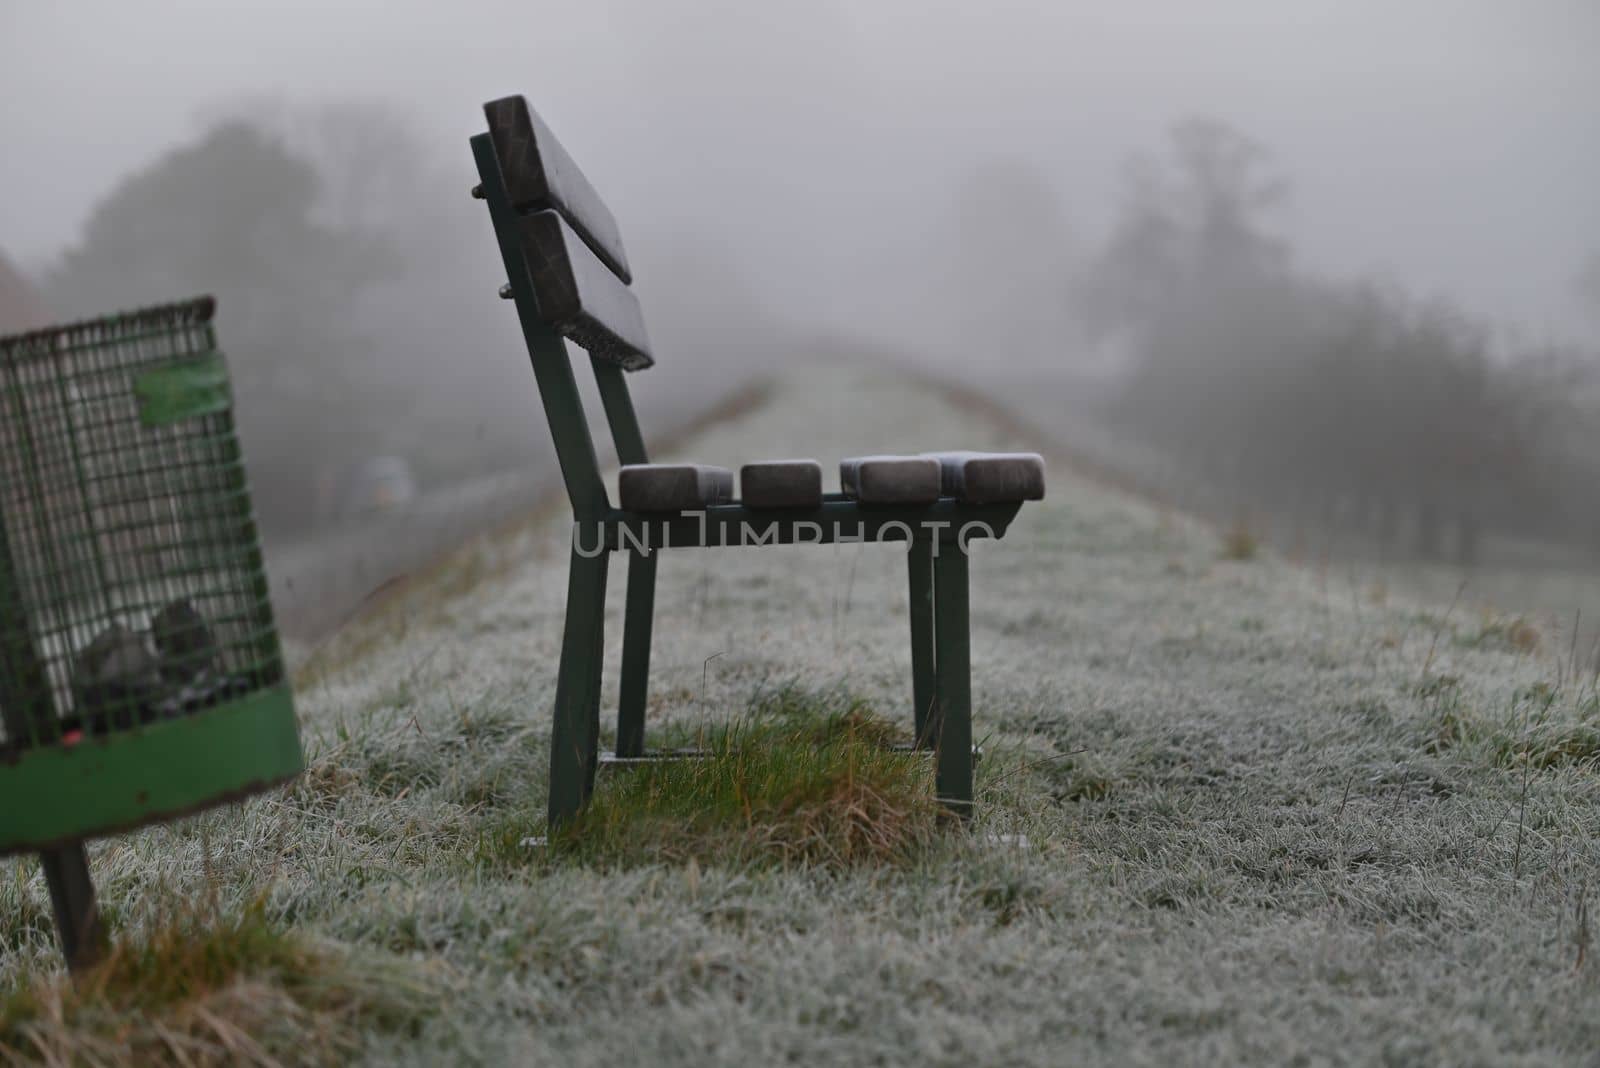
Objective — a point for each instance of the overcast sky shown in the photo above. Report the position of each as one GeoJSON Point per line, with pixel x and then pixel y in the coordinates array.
{"type": "Point", "coordinates": [1453, 147]}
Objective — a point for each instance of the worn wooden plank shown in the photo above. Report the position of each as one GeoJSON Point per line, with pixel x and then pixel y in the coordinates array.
{"type": "Point", "coordinates": [579, 297]}
{"type": "Point", "coordinates": [540, 174]}
{"type": "Point", "coordinates": [552, 366]}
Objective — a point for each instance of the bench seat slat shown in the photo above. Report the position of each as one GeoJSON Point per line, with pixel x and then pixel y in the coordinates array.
{"type": "Point", "coordinates": [539, 174]}
{"type": "Point", "coordinates": [991, 477]}
{"type": "Point", "coordinates": [673, 487]}
{"type": "Point", "coordinates": [579, 297]}
{"type": "Point", "coordinates": [781, 484]}
{"type": "Point", "coordinates": [890, 479]}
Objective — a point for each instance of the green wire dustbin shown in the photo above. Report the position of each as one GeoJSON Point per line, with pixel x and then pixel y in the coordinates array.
{"type": "Point", "coordinates": [140, 671]}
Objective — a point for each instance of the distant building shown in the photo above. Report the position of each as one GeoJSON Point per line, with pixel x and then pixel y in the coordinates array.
{"type": "Point", "coordinates": [20, 305]}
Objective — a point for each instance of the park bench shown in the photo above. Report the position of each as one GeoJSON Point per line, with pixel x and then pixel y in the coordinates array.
{"type": "Point", "coordinates": [569, 278]}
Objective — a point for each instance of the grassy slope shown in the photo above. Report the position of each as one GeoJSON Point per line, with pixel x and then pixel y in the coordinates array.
{"type": "Point", "coordinates": [1269, 819]}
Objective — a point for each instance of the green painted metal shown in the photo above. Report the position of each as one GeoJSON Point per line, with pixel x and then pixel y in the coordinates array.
{"type": "Point", "coordinates": [919, 565]}
{"type": "Point", "coordinates": [593, 674]}
{"type": "Point", "coordinates": [638, 620]}
{"type": "Point", "coordinates": [83, 935]}
{"type": "Point", "coordinates": [575, 733]}
{"type": "Point", "coordinates": [128, 778]}
{"type": "Point", "coordinates": [613, 383]}
{"type": "Point", "coordinates": [140, 671]}
{"type": "Point", "coordinates": [129, 535]}
{"type": "Point", "coordinates": [574, 739]}
{"type": "Point", "coordinates": [26, 708]}
{"type": "Point", "coordinates": [552, 368]}
{"type": "Point", "coordinates": [26, 705]}
{"type": "Point", "coordinates": [184, 389]}
{"type": "Point", "coordinates": [953, 680]}
{"type": "Point", "coordinates": [640, 605]}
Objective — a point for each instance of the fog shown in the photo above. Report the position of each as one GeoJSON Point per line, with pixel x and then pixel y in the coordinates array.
{"type": "Point", "coordinates": [1000, 193]}
{"type": "Point", "coordinates": [1431, 141]}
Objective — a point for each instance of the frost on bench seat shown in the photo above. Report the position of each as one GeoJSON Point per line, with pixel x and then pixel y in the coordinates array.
{"type": "Point", "coordinates": [991, 477]}
{"type": "Point", "coordinates": [673, 487]}
{"type": "Point", "coordinates": [781, 484]}
{"type": "Point", "coordinates": [890, 479]}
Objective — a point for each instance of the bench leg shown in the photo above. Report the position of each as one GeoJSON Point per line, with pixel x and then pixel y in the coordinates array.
{"type": "Point", "coordinates": [953, 681]}
{"type": "Point", "coordinates": [636, 625]}
{"type": "Point", "coordinates": [919, 557]}
{"type": "Point", "coordinates": [66, 873]}
{"type": "Point", "coordinates": [574, 737]}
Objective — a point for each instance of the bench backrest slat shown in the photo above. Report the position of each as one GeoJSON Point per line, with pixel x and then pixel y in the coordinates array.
{"type": "Point", "coordinates": [567, 272]}
{"type": "Point", "coordinates": [581, 298]}
{"type": "Point", "coordinates": [539, 174]}
{"type": "Point", "coordinates": [552, 367]}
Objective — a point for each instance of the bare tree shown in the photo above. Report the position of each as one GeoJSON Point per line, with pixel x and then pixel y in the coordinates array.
{"type": "Point", "coordinates": [1337, 406]}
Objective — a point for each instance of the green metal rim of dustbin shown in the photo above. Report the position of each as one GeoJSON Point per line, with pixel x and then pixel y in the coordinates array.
{"type": "Point", "coordinates": [58, 793]}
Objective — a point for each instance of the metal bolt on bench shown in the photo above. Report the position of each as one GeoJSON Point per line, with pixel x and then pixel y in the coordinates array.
{"type": "Point", "coordinates": [569, 277]}
{"type": "Point", "coordinates": [140, 672]}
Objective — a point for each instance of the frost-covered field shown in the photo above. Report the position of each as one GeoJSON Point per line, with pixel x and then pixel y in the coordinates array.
{"type": "Point", "coordinates": [1267, 817]}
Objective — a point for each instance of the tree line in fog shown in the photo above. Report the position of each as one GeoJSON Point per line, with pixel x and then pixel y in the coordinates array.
{"type": "Point", "coordinates": [357, 304]}
{"type": "Point", "coordinates": [356, 286]}
{"type": "Point", "coordinates": [1345, 407]}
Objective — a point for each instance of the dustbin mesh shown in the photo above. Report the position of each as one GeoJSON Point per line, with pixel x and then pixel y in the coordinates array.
{"type": "Point", "coordinates": [131, 581]}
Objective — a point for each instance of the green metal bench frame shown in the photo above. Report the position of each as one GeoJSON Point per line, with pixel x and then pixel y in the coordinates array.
{"type": "Point", "coordinates": [938, 533]}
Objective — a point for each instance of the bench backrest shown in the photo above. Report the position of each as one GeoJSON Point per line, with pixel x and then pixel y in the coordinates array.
{"type": "Point", "coordinates": [569, 275]}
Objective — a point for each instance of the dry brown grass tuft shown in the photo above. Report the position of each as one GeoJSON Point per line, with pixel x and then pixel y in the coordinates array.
{"type": "Point", "coordinates": [802, 779]}
{"type": "Point", "coordinates": [1523, 636]}
{"type": "Point", "coordinates": [1511, 633]}
{"type": "Point", "coordinates": [237, 992]}
{"type": "Point", "coordinates": [796, 792]}
{"type": "Point", "coordinates": [1240, 542]}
